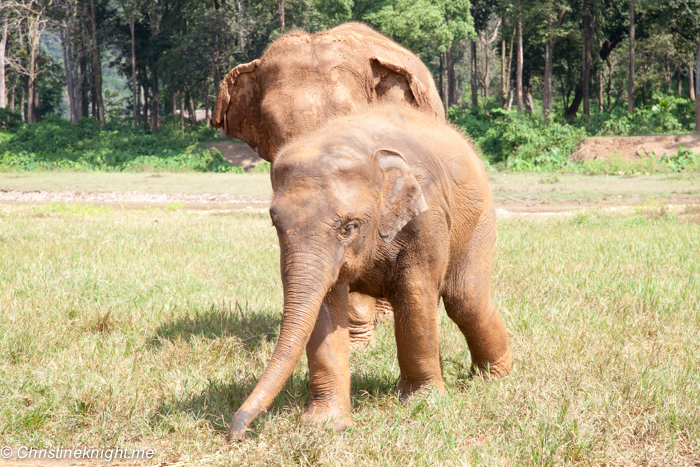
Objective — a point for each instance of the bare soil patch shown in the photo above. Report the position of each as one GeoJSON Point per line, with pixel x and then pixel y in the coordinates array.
{"type": "Point", "coordinates": [633, 147]}
{"type": "Point", "coordinates": [237, 153]}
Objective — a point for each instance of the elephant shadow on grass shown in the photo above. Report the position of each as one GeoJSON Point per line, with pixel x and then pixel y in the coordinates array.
{"type": "Point", "coordinates": [219, 400]}
{"type": "Point", "coordinates": [222, 320]}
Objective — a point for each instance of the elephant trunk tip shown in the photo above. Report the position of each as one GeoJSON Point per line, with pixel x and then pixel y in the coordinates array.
{"type": "Point", "coordinates": [239, 426]}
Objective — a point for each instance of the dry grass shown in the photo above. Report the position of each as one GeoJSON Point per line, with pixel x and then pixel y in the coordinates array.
{"type": "Point", "coordinates": [149, 328]}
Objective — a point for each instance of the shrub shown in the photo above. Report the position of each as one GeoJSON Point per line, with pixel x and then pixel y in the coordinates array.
{"type": "Point", "coordinates": [55, 143]}
{"type": "Point", "coordinates": [520, 141]}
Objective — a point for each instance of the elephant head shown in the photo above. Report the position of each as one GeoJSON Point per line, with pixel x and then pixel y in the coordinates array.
{"type": "Point", "coordinates": [303, 80]}
{"type": "Point", "coordinates": [334, 206]}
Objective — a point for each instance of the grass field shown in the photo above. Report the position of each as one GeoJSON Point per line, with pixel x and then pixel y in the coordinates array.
{"type": "Point", "coordinates": [148, 328]}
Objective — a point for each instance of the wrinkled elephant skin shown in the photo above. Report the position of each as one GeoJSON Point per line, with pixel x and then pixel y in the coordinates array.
{"type": "Point", "coordinates": [395, 205]}
{"type": "Point", "coordinates": [303, 80]}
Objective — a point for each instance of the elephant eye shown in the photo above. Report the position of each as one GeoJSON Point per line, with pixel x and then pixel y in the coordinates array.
{"type": "Point", "coordinates": [347, 231]}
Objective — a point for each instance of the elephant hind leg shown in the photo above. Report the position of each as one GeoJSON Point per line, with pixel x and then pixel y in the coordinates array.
{"type": "Point", "coordinates": [384, 311]}
{"type": "Point", "coordinates": [468, 303]}
{"type": "Point", "coordinates": [361, 314]}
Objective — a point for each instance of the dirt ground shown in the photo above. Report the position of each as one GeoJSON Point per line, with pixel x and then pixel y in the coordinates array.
{"type": "Point", "coordinates": [521, 193]}
{"type": "Point", "coordinates": [237, 153]}
{"type": "Point", "coordinates": [634, 147]}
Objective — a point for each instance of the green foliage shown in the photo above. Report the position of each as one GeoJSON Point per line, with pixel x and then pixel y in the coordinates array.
{"type": "Point", "coordinates": [9, 120]}
{"type": "Point", "coordinates": [667, 114]}
{"type": "Point", "coordinates": [518, 141]}
{"type": "Point", "coordinates": [682, 159]}
{"type": "Point", "coordinates": [417, 23]}
{"type": "Point", "coordinates": [55, 143]}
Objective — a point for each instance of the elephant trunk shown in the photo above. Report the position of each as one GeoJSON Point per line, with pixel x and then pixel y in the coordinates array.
{"type": "Point", "coordinates": [306, 278]}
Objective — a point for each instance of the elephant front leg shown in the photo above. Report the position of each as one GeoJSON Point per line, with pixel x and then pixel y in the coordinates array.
{"type": "Point", "coordinates": [329, 366]}
{"type": "Point", "coordinates": [416, 325]}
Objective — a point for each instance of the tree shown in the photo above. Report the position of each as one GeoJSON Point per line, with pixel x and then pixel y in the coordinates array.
{"type": "Point", "coordinates": [131, 10]}
{"type": "Point", "coordinates": [519, 63]}
{"type": "Point", "coordinates": [630, 82]}
{"type": "Point", "coordinates": [587, 36]}
{"type": "Point", "coordinates": [3, 48]}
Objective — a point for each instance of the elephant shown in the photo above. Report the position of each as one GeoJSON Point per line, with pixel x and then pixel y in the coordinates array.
{"type": "Point", "coordinates": [392, 204]}
{"type": "Point", "coordinates": [304, 79]}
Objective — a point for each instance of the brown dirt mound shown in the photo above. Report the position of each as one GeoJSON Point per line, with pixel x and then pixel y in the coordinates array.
{"type": "Point", "coordinates": [237, 153]}
{"type": "Point", "coordinates": [634, 147]}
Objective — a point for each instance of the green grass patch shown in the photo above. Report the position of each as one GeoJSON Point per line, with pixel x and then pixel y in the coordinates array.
{"type": "Point", "coordinates": [148, 328]}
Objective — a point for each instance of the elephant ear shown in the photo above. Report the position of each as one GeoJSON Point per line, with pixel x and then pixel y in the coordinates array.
{"type": "Point", "coordinates": [401, 197]}
{"type": "Point", "coordinates": [393, 81]}
{"type": "Point", "coordinates": [238, 110]}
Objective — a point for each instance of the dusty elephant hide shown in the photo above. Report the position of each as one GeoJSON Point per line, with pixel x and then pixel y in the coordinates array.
{"type": "Point", "coordinates": [390, 203]}
{"type": "Point", "coordinates": [304, 79]}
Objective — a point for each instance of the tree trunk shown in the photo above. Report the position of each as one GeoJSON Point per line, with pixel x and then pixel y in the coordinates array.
{"type": "Point", "coordinates": [528, 100]}
{"type": "Point", "coordinates": [510, 99]}
{"type": "Point", "coordinates": [22, 113]}
{"type": "Point", "coordinates": [83, 107]}
{"type": "Point", "coordinates": [610, 78]}
{"type": "Point", "coordinates": [475, 76]}
{"type": "Point", "coordinates": [451, 81]}
{"type": "Point", "coordinates": [3, 48]}
{"type": "Point", "coordinates": [630, 83]}
{"type": "Point", "coordinates": [12, 99]}
{"type": "Point", "coordinates": [680, 82]}
{"type": "Point", "coordinates": [193, 111]}
{"type": "Point", "coordinates": [504, 91]}
{"type": "Point", "coordinates": [691, 72]}
{"type": "Point", "coordinates": [96, 67]}
{"type": "Point", "coordinates": [487, 71]}
{"type": "Point", "coordinates": [586, 59]}
{"type": "Point", "coordinates": [93, 96]}
{"type": "Point", "coordinates": [134, 86]}
{"type": "Point", "coordinates": [154, 100]}
{"type": "Point", "coordinates": [600, 90]}
{"type": "Point", "coordinates": [547, 93]}
{"type": "Point", "coordinates": [441, 88]}
{"type": "Point", "coordinates": [280, 14]}
{"type": "Point", "coordinates": [519, 70]}
{"type": "Point", "coordinates": [508, 73]}
{"type": "Point", "coordinates": [182, 112]}
{"type": "Point", "coordinates": [144, 122]}
{"type": "Point", "coordinates": [31, 77]}
{"type": "Point", "coordinates": [572, 110]}
{"type": "Point", "coordinates": [68, 66]}
{"type": "Point", "coordinates": [697, 91]}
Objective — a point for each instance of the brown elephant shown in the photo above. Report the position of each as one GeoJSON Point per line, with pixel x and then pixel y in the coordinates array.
{"type": "Point", "coordinates": [389, 203]}
{"type": "Point", "coordinates": [304, 79]}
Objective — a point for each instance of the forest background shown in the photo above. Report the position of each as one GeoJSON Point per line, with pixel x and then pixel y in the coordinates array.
{"type": "Point", "coordinates": [115, 84]}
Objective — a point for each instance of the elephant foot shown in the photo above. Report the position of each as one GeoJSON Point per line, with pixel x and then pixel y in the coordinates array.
{"type": "Point", "coordinates": [320, 416]}
{"type": "Point", "coordinates": [407, 388]}
{"type": "Point", "coordinates": [497, 369]}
